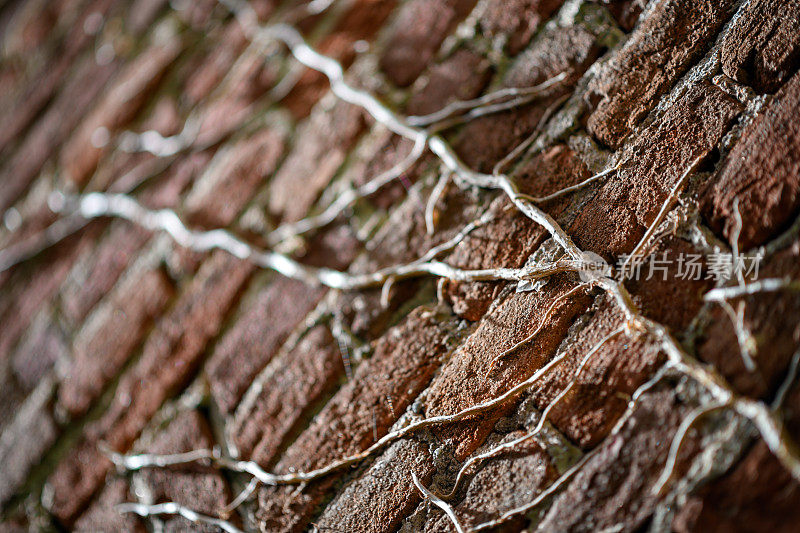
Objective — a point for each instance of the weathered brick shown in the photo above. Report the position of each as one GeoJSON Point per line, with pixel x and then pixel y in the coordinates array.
{"type": "Point", "coordinates": [169, 358]}
{"type": "Point", "coordinates": [293, 383]}
{"type": "Point", "coordinates": [232, 178]}
{"type": "Point", "coordinates": [504, 482]}
{"type": "Point", "coordinates": [110, 335]}
{"type": "Point", "coordinates": [362, 411]}
{"type": "Point", "coordinates": [762, 171]}
{"type": "Point", "coordinates": [198, 487]}
{"type": "Point", "coordinates": [323, 143]}
{"type": "Point", "coordinates": [419, 30]}
{"type": "Point", "coordinates": [378, 500]}
{"type": "Point", "coordinates": [762, 48]}
{"type": "Point", "coordinates": [758, 494]}
{"type": "Point", "coordinates": [773, 319]}
{"type": "Point", "coordinates": [517, 21]}
{"type": "Point", "coordinates": [511, 238]}
{"type": "Point", "coordinates": [469, 378]}
{"type": "Point", "coordinates": [560, 49]}
{"type": "Point", "coordinates": [622, 473]}
{"type": "Point", "coordinates": [673, 36]}
{"type": "Point", "coordinates": [282, 306]}
{"type": "Point", "coordinates": [212, 67]}
{"type": "Point", "coordinates": [461, 76]}
{"type": "Point", "coordinates": [617, 217]}
{"type": "Point", "coordinates": [118, 106]}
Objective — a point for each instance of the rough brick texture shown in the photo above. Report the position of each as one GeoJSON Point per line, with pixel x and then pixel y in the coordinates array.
{"type": "Point", "coordinates": [117, 335]}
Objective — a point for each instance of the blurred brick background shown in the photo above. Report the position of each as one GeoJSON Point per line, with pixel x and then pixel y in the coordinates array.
{"type": "Point", "coordinates": [118, 336]}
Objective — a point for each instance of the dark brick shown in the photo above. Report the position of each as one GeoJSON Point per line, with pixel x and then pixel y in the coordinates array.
{"type": "Point", "coordinates": [294, 382]}
{"type": "Point", "coordinates": [673, 36]}
{"type": "Point", "coordinates": [763, 172]}
{"type": "Point", "coordinates": [419, 30]}
{"type": "Point", "coordinates": [363, 410]}
{"type": "Point", "coordinates": [517, 21]}
{"type": "Point", "coordinates": [501, 483]}
{"type": "Point", "coordinates": [617, 217]}
{"type": "Point", "coordinates": [622, 473]}
{"type": "Point", "coordinates": [773, 319]}
{"type": "Point", "coordinates": [762, 48]}
{"type": "Point", "coordinates": [232, 179]}
{"type": "Point", "coordinates": [108, 338]}
{"type": "Point", "coordinates": [757, 495]}
{"type": "Point", "coordinates": [281, 306]}
{"type": "Point", "coordinates": [170, 357]}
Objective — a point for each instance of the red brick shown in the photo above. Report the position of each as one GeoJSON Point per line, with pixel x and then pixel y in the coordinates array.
{"type": "Point", "coordinates": [94, 275]}
{"type": "Point", "coordinates": [468, 377]}
{"type": "Point", "coordinates": [211, 68]}
{"type": "Point", "coordinates": [763, 172]}
{"type": "Point", "coordinates": [419, 30]}
{"type": "Point", "coordinates": [762, 47]}
{"type": "Point", "coordinates": [559, 49]}
{"type": "Point", "coordinates": [617, 217]}
{"type": "Point", "coordinates": [32, 285]}
{"type": "Point", "coordinates": [378, 500]}
{"type": "Point", "coordinates": [232, 178]}
{"type": "Point", "coordinates": [758, 494]}
{"type": "Point", "coordinates": [295, 381]}
{"type": "Point", "coordinates": [170, 357]}
{"type": "Point", "coordinates": [360, 23]}
{"type": "Point", "coordinates": [102, 514]}
{"type": "Point", "coordinates": [363, 410]}
{"type": "Point", "coordinates": [517, 21]}
{"type": "Point", "coordinates": [118, 106]}
{"type": "Point", "coordinates": [666, 43]}
{"type": "Point", "coordinates": [109, 337]}
{"type": "Point", "coordinates": [70, 106]}
{"type": "Point", "coordinates": [461, 76]}
{"type": "Point", "coordinates": [249, 345]}
{"type": "Point", "coordinates": [773, 319]}
{"type": "Point", "coordinates": [201, 488]}
{"type": "Point", "coordinates": [512, 237]}
{"type": "Point", "coordinates": [323, 143]}
{"type": "Point", "coordinates": [622, 473]}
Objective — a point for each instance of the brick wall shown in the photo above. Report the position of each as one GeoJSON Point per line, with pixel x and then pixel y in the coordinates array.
{"type": "Point", "coordinates": [567, 403]}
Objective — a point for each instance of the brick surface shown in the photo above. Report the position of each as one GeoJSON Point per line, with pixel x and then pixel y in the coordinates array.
{"type": "Point", "coordinates": [359, 413]}
{"type": "Point", "coordinates": [117, 336]}
{"type": "Point", "coordinates": [170, 356]}
{"type": "Point", "coordinates": [651, 165]}
{"type": "Point", "coordinates": [202, 489]}
{"type": "Point", "coordinates": [283, 304]}
{"type": "Point", "coordinates": [666, 43]}
{"type": "Point", "coordinates": [765, 184]}
{"type": "Point", "coordinates": [108, 339]}
{"type": "Point", "coordinates": [762, 49]}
